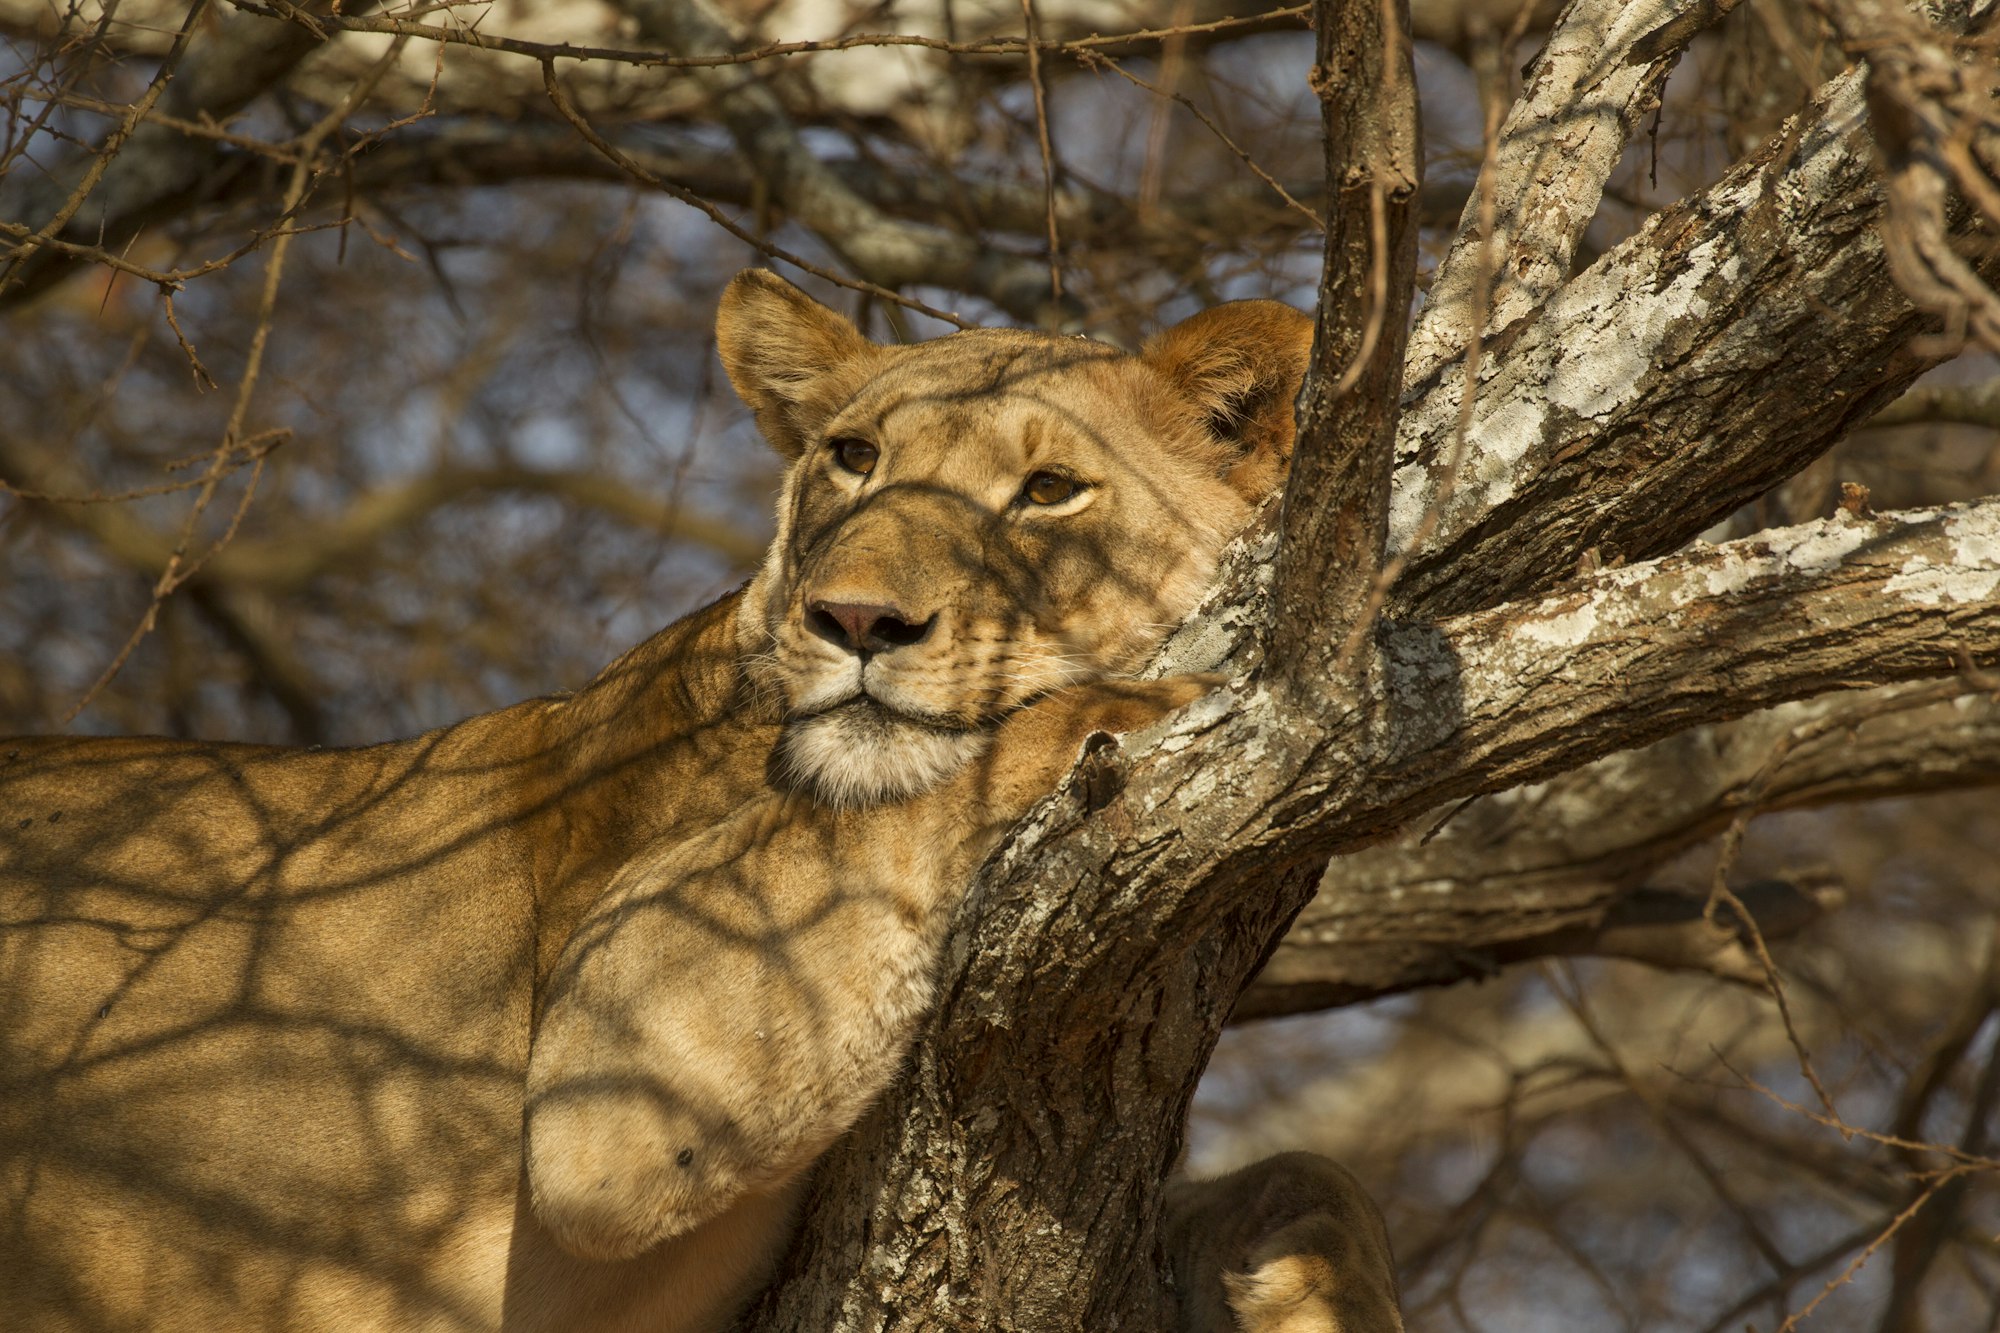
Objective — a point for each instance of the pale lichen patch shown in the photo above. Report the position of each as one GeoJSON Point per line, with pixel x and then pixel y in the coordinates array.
{"type": "Point", "coordinates": [1974, 572]}
{"type": "Point", "coordinates": [1721, 580]}
{"type": "Point", "coordinates": [1185, 726]}
{"type": "Point", "coordinates": [1568, 629]}
{"type": "Point", "coordinates": [1929, 584]}
{"type": "Point", "coordinates": [1975, 536]}
{"type": "Point", "coordinates": [1812, 548]}
{"type": "Point", "coordinates": [1736, 567]}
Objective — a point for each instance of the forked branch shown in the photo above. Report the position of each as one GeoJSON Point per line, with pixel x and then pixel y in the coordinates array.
{"type": "Point", "coordinates": [1731, 340]}
{"type": "Point", "coordinates": [1115, 931]}
{"type": "Point", "coordinates": [1601, 70]}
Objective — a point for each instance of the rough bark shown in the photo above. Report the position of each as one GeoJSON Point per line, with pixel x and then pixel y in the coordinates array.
{"type": "Point", "coordinates": [1731, 340]}
{"type": "Point", "coordinates": [891, 1242]}
{"type": "Point", "coordinates": [1553, 868]}
{"type": "Point", "coordinates": [1333, 523]}
{"type": "Point", "coordinates": [1620, 413]}
{"type": "Point", "coordinates": [1600, 71]}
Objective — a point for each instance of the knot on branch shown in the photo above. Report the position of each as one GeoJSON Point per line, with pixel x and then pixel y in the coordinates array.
{"type": "Point", "coordinates": [1100, 776]}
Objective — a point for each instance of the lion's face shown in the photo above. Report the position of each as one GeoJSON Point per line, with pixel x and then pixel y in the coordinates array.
{"type": "Point", "coordinates": [973, 522]}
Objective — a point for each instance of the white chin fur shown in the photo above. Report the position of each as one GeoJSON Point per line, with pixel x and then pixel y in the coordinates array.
{"type": "Point", "coordinates": [861, 755]}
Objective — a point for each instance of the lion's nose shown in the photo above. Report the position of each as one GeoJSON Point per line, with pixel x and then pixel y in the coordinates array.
{"type": "Point", "coordinates": [864, 626]}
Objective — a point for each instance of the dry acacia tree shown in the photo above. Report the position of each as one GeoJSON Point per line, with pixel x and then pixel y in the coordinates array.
{"type": "Point", "coordinates": [1488, 684]}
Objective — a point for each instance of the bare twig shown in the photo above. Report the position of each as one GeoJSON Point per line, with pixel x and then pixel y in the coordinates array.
{"type": "Point", "coordinates": [1048, 153]}
{"type": "Point", "coordinates": [544, 51]}
{"type": "Point", "coordinates": [567, 110]}
{"type": "Point", "coordinates": [106, 152]}
{"type": "Point", "coordinates": [884, 250]}
{"type": "Point", "coordinates": [1093, 60]}
{"type": "Point", "coordinates": [180, 566]}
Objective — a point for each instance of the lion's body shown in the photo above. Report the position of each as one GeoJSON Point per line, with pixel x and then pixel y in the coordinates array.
{"type": "Point", "coordinates": [266, 1013]}
{"type": "Point", "coordinates": [537, 1021]}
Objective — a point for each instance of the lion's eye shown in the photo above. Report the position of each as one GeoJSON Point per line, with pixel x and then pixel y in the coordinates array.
{"type": "Point", "coordinates": [857, 456]}
{"type": "Point", "coordinates": [1050, 488]}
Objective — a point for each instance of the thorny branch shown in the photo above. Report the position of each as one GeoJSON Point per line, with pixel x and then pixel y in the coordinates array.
{"type": "Point", "coordinates": [180, 564]}
{"type": "Point", "coordinates": [106, 154]}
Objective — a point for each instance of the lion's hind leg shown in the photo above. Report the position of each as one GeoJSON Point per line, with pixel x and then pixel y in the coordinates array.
{"type": "Point", "coordinates": [1291, 1244]}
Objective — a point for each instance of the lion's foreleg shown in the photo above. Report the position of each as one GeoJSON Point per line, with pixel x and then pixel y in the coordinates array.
{"type": "Point", "coordinates": [726, 1009]}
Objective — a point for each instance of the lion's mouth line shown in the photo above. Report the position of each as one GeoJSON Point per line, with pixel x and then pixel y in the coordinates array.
{"type": "Point", "coordinates": [979, 709]}
{"type": "Point", "coordinates": [865, 707]}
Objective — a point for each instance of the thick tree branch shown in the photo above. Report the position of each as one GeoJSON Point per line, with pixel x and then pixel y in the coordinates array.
{"type": "Point", "coordinates": [1335, 514]}
{"type": "Point", "coordinates": [1516, 694]}
{"type": "Point", "coordinates": [1550, 868]}
{"type": "Point", "coordinates": [1716, 632]}
{"type": "Point", "coordinates": [1126, 933]}
{"type": "Point", "coordinates": [1731, 340]}
{"type": "Point", "coordinates": [1598, 75]}
{"type": "Point", "coordinates": [1118, 928]}
{"type": "Point", "coordinates": [864, 1265]}
{"type": "Point", "coordinates": [1123, 932]}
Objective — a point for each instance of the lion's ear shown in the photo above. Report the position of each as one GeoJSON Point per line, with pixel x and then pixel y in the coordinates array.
{"type": "Point", "coordinates": [1241, 364]}
{"type": "Point", "coordinates": [785, 353]}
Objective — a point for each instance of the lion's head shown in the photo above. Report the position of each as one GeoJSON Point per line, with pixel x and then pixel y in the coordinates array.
{"type": "Point", "coordinates": [969, 523]}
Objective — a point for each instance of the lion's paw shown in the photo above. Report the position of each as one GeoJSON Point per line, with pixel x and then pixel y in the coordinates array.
{"type": "Point", "coordinates": [1124, 706]}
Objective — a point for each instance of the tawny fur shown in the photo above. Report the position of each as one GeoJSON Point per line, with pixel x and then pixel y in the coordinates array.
{"type": "Point", "coordinates": [536, 1021]}
{"type": "Point", "coordinates": [1291, 1244]}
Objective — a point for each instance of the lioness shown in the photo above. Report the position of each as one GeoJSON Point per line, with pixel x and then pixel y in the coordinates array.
{"type": "Point", "coordinates": [537, 1021]}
